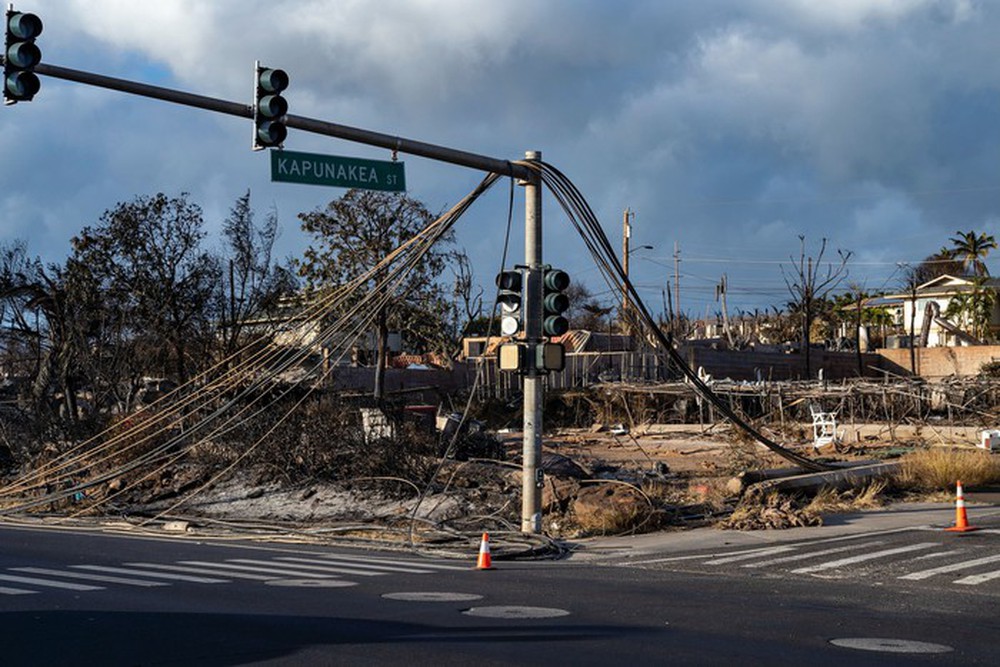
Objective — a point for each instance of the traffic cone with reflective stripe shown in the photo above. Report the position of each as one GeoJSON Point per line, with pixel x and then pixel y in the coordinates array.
{"type": "Point", "coordinates": [484, 562]}
{"type": "Point", "coordinates": [961, 518]}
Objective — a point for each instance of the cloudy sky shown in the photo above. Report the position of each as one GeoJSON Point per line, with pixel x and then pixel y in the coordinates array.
{"type": "Point", "coordinates": [730, 128]}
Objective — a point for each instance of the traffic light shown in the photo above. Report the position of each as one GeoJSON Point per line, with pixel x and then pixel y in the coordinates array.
{"type": "Point", "coordinates": [510, 286]}
{"type": "Point", "coordinates": [554, 302]}
{"type": "Point", "coordinates": [269, 107]}
{"type": "Point", "coordinates": [21, 54]}
{"type": "Point", "coordinates": [512, 357]}
{"type": "Point", "coordinates": [550, 356]}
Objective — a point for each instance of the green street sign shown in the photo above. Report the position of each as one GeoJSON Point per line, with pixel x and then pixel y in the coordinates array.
{"type": "Point", "coordinates": [340, 172]}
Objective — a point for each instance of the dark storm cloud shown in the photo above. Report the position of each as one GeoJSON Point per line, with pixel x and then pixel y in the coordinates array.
{"type": "Point", "coordinates": [729, 127]}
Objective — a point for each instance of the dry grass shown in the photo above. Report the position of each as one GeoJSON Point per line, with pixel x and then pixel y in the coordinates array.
{"type": "Point", "coordinates": [611, 508]}
{"type": "Point", "coordinates": [851, 500]}
{"type": "Point", "coordinates": [938, 469]}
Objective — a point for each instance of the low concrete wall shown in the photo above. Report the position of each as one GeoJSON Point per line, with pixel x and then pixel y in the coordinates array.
{"type": "Point", "coordinates": [746, 364]}
{"type": "Point", "coordinates": [939, 362]}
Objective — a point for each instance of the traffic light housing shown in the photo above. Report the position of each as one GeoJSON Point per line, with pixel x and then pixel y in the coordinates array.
{"type": "Point", "coordinates": [550, 357]}
{"type": "Point", "coordinates": [554, 302]}
{"type": "Point", "coordinates": [269, 107]}
{"type": "Point", "coordinates": [21, 54]}
{"type": "Point", "coordinates": [510, 295]}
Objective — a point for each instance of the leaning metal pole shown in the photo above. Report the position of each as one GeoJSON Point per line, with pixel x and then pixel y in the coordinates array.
{"type": "Point", "coordinates": [531, 470]}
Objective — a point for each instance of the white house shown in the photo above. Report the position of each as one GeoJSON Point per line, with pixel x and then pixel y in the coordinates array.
{"type": "Point", "coordinates": [931, 326]}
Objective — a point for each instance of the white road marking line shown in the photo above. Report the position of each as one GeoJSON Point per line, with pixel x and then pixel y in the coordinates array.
{"type": "Point", "coordinates": [155, 575]}
{"type": "Point", "coordinates": [974, 579]}
{"type": "Point", "coordinates": [797, 545]}
{"type": "Point", "coordinates": [938, 554]}
{"type": "Point", "coordinates": [89, 577]}
{"type": "Point", "coordinates": [734, 559]}
{"type": "Point", "coordinates": [277, 573]}
{"type": "Point", "coordinates": [697, 556]}
{"type": "Point", "coordinates": [387, 561]}
{"type": "Point", "coordinates": [953, 567]}
{"type": "Point", "coordinates": [202, 570]}
{"type": "Point", "coordinates": [390, 568]}
{"type": "Point", "coordinates": [812, 554]}
{"type": "Point", "coordinates": [309, 568]}
{"type": "Point", "coordinates": [50, 584]}
{"type": "Point", "coordinates": [15, 591]}
{"type": "Point", "coordinates": [833, 564]}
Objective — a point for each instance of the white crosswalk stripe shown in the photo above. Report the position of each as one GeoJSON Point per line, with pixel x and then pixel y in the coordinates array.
{"type": "Point", "coordinates": [15, 591]}
{"type": "Point", "coordinates": [327, 569]}
{"type": "Point", "coordinates": [89, 577]}
{"type": "Point", "coordinates": [852, 560]}
{"type": "Point", "coordinates": [202, 570]}
{"type": "Point", "coordinates": [938, 554]}
{"type": "Point", "coordinates": [386, 561]}
{"type": "Point", "coordinates": [277, 571]}
{"type": "Point", "coordinates": [975, 579]}
{"type": "Point", "coordinates": [763, 552]}
{"type": "Point", "coordinates": [34, 581]}
{"type": "Point", "coordinates": [387, 568]}
{"type": "Point", "coordinates": [155, 575]}
{"type": "Point", "coordinates": [671, 559]}
{"type": "Point", "coordinates": [953, 567]}
{"type": "Point", "coordinates": [811, 554]}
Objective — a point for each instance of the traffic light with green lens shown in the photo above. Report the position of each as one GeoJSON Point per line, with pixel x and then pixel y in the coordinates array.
{"type": "Point", "coordinates": [269, 107]}
{"type": "Point", "coordinates": [554, 302]}
{"type": "Point", "coordinates": [21, 54]}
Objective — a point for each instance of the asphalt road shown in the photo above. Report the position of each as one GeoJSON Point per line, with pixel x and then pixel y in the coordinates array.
{"type": "Point", "coordinates": [78, 598]}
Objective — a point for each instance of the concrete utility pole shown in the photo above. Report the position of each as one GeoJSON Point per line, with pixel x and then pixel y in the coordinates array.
{"type": "Point", "coordinates": [531, 471]}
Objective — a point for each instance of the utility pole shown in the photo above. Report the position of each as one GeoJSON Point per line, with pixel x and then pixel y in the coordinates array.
{"type": "Point", "coordinates": [626, 238]}
{"type": "Point", "coordinates": [531, 471]}
{"type": "Point", "coordinates": [720, 292]}
{"type": "Point", "coordinates": [677, 284]}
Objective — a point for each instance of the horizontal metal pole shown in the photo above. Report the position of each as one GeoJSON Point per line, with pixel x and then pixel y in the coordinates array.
{"type": "Point", "coordinates": [440, 153]}
{"type": "Point", "coordinates": [357, 135]}
{"type": "Point", "coordinates": [146, 90]}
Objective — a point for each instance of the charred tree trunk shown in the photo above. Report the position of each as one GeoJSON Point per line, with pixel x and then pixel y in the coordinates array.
{"type": "Point", "coordinates": [381, 353]}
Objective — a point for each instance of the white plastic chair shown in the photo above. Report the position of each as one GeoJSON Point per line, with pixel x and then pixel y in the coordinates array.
{"type": "Point", "coordinates": [824, 427]}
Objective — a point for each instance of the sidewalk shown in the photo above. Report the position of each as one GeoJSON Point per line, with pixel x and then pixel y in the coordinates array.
{"type": "Point", "coordinates": [896, 517]}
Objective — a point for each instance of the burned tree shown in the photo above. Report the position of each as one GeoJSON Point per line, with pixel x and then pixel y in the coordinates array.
{"type": "Point", "coordinates": [810, 283]}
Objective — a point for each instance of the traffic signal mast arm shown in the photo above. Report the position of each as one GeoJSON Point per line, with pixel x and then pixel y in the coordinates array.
{"type": "Point", "coordinates": [441, 153]}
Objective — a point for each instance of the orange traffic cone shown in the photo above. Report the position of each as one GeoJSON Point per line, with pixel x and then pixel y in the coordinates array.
{"type": "Point", "coordinates": [484, 562]}
{"type": "Point", "coordinates": [961, 519]}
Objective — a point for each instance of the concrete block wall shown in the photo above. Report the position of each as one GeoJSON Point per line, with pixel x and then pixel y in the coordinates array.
{"type": "Point", "coordinates": [746, 364]}
{"type": "Point", "coordinates": [939, 362]}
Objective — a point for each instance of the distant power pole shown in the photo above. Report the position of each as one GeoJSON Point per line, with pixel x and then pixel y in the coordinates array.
{"type": "Point", "coordinates": [626, 237]}
{"type": "Point", "coordinates": [677, 283]}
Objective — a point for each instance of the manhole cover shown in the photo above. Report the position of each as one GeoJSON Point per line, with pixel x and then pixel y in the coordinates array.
{"type": "Point", "coordinates": [432, 597]}
{"type": "Point", "coordinates": [311, 583]}
{"type": "Point", "coordinates": [890, 645]}
{"type": "Point", "coordinates": [515, 612]}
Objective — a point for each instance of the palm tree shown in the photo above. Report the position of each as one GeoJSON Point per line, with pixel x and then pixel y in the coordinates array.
{"type": "Point", "coordinates": [971, 249]}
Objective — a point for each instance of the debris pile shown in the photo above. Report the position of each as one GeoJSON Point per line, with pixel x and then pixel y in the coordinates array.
{"type": "Point", "coordinates": [773, 511]}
